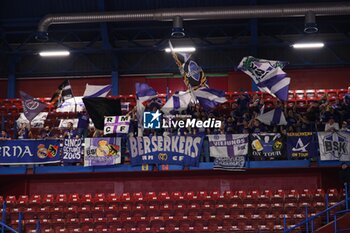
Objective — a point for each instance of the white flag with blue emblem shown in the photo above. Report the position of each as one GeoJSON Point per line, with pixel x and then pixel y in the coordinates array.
{"type": "Point", "coordinates": [267, 75]}
{"type": "Point", "coordinates": [334, 145]}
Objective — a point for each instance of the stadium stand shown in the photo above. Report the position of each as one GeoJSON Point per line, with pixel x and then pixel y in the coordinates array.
{"type": "Point", "coordinates": [230, 211]}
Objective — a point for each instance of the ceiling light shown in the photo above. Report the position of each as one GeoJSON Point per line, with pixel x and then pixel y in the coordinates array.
{"type": "Point", "coordinates": [181, 49]}
{"type": "Point", "coordinates": [308, 45]}
{"type": "Point", "coordinates": [60, 53]}
{"type": "Point", "coordinates": [310, 23]}
{"type": "Point", "coordinates": [178, 30]}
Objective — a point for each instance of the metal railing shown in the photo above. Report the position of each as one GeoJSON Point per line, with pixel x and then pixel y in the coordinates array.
{"type": "Point", "coordinates": [336, 219]}
{"type": "Point", "coordinates": [4, 226]}
{"type": "Point", "coordinates": [309, 221]}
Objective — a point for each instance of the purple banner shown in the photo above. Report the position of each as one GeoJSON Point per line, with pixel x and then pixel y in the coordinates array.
{"type": "Point", "coordinates": [102, 151]}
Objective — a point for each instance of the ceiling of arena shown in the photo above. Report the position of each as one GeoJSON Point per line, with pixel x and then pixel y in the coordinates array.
{"type": "Point", "coordinates": [138, 47]}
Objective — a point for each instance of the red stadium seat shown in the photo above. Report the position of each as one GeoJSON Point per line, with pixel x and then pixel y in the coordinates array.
{"type": "Point", "coordinates": [73, 200]}
{"type": "Point", "coordinates": [22, 201]}
{"type": "Point", "coordinates": [84, 211]}
{"type": "Point", "coordinates": [100, 199]}
{"type": "Point", "coordinates": [11, 201]}
{"type": "Point", "coordinates": [48, 200]}
{"type": "Point", "coordinates": [300, 94]}
{"type": "Point", "coordinates": [113, 198]}
{"type": "Point", "coordinates": [87, 200]}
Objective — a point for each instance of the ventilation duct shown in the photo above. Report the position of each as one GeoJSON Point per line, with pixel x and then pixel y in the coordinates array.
{"type": "Point", "coordinates": [212, 13]}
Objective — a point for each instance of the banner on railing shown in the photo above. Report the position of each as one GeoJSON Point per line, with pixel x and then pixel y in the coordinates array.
{"type": "Point", "coordinates": [102, 151]}
{"type": "Point", "coordinates": [229, 163]}
{"type": "Point", "coordinates": [334, 145]}
{"type": "Point", "coordinates": [116, 125]}
{"type": "Point", "coordinates": [301, 145]}
{"type": "Point", "coordinates": [179, 150]}
{"type": "Point", "coordinates": [228, 145]}
{"type": "Point", "coordinates": [266, 146]}
{"type": "Point", "coordinates": [72, 150]}
{"type": "Point", "coordinates": [29, 152]}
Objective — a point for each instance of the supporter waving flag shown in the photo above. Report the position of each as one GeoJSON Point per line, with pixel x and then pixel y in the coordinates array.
{"type": "Point", "coordinates": [267, 75]}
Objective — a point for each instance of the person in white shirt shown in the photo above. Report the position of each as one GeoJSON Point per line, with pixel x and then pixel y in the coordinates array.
{"type": "Point", "coordinates": [331, 125]}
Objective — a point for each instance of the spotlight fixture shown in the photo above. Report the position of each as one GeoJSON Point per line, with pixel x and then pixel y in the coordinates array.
{"type": "Point", "coordinates": [314, 45]}
{"type": "Point", "coordinates": [58, 53]}
{"type": "Point", "coordinates": [178, 30]}
{"type": "Point", "coordinates": [181, 49]}
{"type": "Point", "coordinates": [310, 23]}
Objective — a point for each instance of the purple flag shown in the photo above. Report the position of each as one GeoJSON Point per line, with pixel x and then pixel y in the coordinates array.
{"type": "Point", "coordinates": [31, 107]}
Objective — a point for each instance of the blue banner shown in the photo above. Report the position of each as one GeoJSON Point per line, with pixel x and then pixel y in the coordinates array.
{"type": "Point", "coordinates": [29, 152]}
{"type": "Point", "coordinates": [301, 145]}
{"type": "Point", "coordinates": [177, 150]}
{"type": "Point", "coordinates": [72, 150]}
{"type": "Point", "coordinates": [266, 146]}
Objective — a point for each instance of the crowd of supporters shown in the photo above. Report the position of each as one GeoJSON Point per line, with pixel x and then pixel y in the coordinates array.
{"type": "Point", "coordinates": [241, 117]}
{"type": "Point", "coordinates": [237, 117]}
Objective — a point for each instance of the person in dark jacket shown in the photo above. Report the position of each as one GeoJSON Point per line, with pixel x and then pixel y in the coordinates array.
{"type": "Point", "coordinates": [344, 175]}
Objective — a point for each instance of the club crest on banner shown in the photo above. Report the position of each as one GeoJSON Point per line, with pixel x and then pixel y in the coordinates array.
{"type": "Point", "coordinates": [335, 145]}
{"type": "Point", "coordinates": [31, 104]}
{"type": "Point", "coordinates": [49, 152]}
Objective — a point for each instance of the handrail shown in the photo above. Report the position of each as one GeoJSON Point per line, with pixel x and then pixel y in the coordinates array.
{"type": "Point", "coordinates": [312, 218]}
{"type": "Point", "coordinates": [8, 227]}
{"type": "Point", "coordinates": [335, 220]}
{"type": "Point", "coordinates": [307, 220]}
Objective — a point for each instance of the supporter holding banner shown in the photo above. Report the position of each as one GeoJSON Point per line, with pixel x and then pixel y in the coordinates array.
{"type": "Point", "coordinates": [266, 146]}
{"type": "Point", "coordinates": [72, 150]}
{"type": "Point", "coordinates": [178, 150]}
{"type": "Point", "coordinates": [102, 151]}
{"type": "Point", "coordinates": [17, 152]}
{"type": "Point", "coordinates": [301, 145]}
{"type": "Point", "coordinates": [117, 125]}
{"type": "Point", "coordinates": [228, 145]}
{"type": "Point", "coordinates": [334, 146]}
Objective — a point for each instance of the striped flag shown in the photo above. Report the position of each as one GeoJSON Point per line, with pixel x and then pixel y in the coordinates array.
{"type": "Point", "coordinates": [273, 117]}
{"type": "Point", "coordinates": [63, 93]}
{"type": "Point", "coordinates": [178, 102]}
{"type": "Point", "coordinates": [267, 75]}
{"type": "Point", "coordinates": [97, 90]}
{"type": "Point", "coordinates": [209, 98]}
